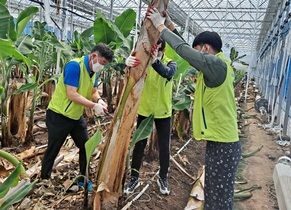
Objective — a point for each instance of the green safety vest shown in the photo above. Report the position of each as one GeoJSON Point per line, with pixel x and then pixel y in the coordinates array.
{"type": "Point", "coordinates": [60, 102]}
{"type": "Point", "coordinates": [156, 95]}
{"type": "Point", "coordinates": [214, 115]}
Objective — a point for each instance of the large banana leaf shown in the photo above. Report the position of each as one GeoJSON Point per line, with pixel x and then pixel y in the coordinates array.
{"type": "Point", "coordinates": [25, 88]}
{"type": "Point", "coordinates": [103, 31]}
{"type": "Point", "coordinates": [3, 2]}
{"type": "Point", "coordinates": [11, 181]}
{"type": "Point", "coordinates": [119, 38]}
{"type": "Point", "coordinates": [91, 144]}
{"type": "Point", "coordinates": [88, 32]}
{"type": "Point", "coordinates": [7, 49]}
{"type": "Point", "coordinates": [125, 21]}
{"type": "Point", "coordinates": [114, 34]}
{"type": "Point", "coordinates": [24, 44]}
{"type": "Point", "coordinates": [18, 195]}
{"type": "Point", "coordinates": [23, 18]}
{"type": "Point", "coordinates": [143, 131]}
{"type": "Point", "coordinates": [6, 24]}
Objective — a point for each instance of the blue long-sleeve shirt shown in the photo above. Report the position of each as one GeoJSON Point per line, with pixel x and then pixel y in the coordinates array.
{"type": "Point", "coordinates": [166, 71]}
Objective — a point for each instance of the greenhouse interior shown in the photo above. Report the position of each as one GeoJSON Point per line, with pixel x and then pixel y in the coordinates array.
{"type": "Point", "coordinates": [187, 105]}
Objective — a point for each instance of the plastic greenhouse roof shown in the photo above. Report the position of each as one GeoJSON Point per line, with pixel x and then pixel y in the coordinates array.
{"type": "Point", "coordinates": [242, 24]}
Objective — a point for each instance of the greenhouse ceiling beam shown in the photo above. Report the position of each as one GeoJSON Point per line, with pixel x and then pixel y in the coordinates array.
{"type": "Point", "coordinates": [231, 20]}
{"type": "Point", "coordinates": [223, 10]}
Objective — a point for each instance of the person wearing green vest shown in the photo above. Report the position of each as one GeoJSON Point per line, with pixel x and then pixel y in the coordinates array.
{"type": "Point", "coordinates": [75, 90]}
{"type": "Point", "coordinates": [214, 115]}
{"type": "Point", "coordinates": [158, 81]}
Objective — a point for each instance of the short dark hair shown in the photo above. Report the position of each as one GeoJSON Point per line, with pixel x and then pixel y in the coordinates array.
{"type": "Point", "coordinates": [104, 51]}
{"type": "Point", "coordinates": [163, 44]}
{"type": "Point", "coordinates": [208, 37]}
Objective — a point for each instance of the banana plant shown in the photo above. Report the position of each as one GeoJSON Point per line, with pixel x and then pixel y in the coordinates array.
{"type": "Point", "coordinates": [82, 43]}
{"type": "Point", "coordinates": [112, 162]}
{"type": "Point", "coordinates": [12, 190]}
{"type": "Point", "coordinates": [182, 101]}
{"type": "Point", "coordinates": [44, 47]}
{"type": "Point", "coordinates": [183, 90]}
{"type": "Point", "coordinates": [9, 57]}
{"type": "Point", "coordinates": [235, 57]}
{"type": "Point", "coordinates": [9, 54]}
{"type": "Point", "coordinates": [116, 34]}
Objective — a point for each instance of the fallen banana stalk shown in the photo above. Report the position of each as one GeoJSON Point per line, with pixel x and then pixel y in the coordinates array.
{"type": "Point", "coordinates": [245, 193]}
{"type": "Point", "coordinates": [246, 155]}
{"type": "Point", "coordinates": [181, 168]}
{"type": "Point", "coordinates": [242, 196]}
{"type": "Point", "coordinates": [196, 200]}
{"type": "Point", "coordinates": [254, 187]}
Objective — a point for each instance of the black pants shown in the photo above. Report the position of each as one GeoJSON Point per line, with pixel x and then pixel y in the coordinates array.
{"type": "Point", "coordinates": [59, 127]}
{"type": "Point", "coordinates": [163, 127]}
{"type": "Point", "coordinates": [221, 161]}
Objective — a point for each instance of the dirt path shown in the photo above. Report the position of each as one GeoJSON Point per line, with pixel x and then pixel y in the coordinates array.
{"type": "Point", "coordinates": [258, 169]}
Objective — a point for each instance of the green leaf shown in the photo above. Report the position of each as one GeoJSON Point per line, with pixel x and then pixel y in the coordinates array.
{"type": "Point", "coordinates": [38, 30]}
{"type": "Point", "coordinates": [24, 44]}
{"type": "Point", "coordinates": [119, 39]}
{"type": "Point", "coordinates": [3, 2]}
{"type": "Point", "coordinates": [53, 77]}
{"type": "Point", "coordinates": [8, 50]}
{"type": "Point", "coordinates": [11, 181]}
{"type": "Point", "coordinates": [25, 88]}
{"type": "Point", "coordinates": [125, 21]}
{"type": "Point", "coordinates": [87, 33]}
{"type": "Point", "coordinates": [182, 103]}
{"type": "Point", "coordinates": [103, 31]}
{"type": "Point", "coordinates": [19, 194]}
{"type": "Point", "coordinates": [91, 144]}
{"type": "Point", "coordinates": [7, 27]}
{"type": "Point", "coordinates": [23, 18]}
{"type": "Point", "coordinates": [1, 90]}
{"type": "Point", "coordinates": [143, 131]}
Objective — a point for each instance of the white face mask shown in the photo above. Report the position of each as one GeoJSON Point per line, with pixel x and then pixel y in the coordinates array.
{"type": "Point", "coordinates": [96, 67]}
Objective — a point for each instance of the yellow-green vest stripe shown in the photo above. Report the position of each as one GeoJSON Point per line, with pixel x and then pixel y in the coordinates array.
{"type": "Point", "coordinates": [60, 102]}
{"type": "Point", "coordinates": [214, 115]}
{"type": "Point", "coordinates": [156, 95]}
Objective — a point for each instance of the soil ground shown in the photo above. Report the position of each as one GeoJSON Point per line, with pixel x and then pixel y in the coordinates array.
{"type": "Point", "coordinates": [254, 170]}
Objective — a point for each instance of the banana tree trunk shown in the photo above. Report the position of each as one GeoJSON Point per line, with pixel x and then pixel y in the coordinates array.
{"type": "Point", "coordinates": [17, 106]}
{"type": "Point", "coordinates": [112, 163]}
{"type": "Point", "coordinates": [5, 137]}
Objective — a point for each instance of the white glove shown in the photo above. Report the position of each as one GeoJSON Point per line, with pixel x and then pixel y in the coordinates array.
{"type": "Point", "coordinates": [100, 101]}
{"type": "Point", "coordinates": [132, 61]}
{"type": "Point", "coordinates": [99, 109]}
{"type": "Point", "coordinates": [154, 15]}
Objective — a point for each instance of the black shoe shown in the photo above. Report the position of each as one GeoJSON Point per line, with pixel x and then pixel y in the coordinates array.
{"type": "Point", "coordinates": [132, 185]}
{"type": "Point", "coordinates": [163, 184]}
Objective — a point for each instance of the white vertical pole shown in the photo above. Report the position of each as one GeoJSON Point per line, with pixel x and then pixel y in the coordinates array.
{"type": "Point", "coordinates": [47, 12]}
{"type": "Point", "coordinates": [64, 22]}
